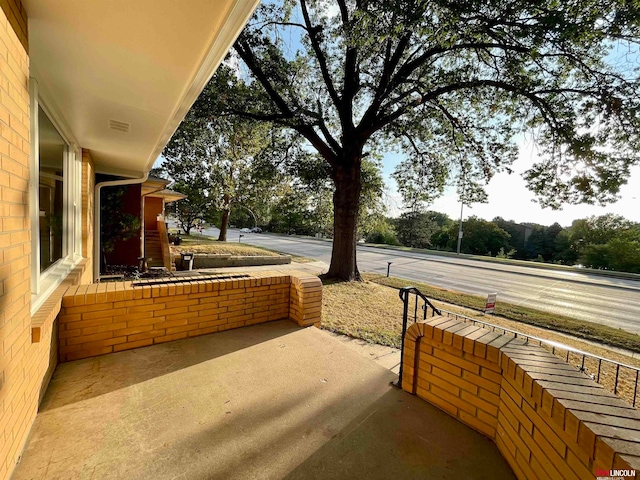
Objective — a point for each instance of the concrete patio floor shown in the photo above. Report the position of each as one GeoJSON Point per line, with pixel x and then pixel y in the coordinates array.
{"type": "Point", "coordinates": [269, 401]}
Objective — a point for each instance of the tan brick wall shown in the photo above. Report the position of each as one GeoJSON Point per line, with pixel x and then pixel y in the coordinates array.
{"type": "Point", "coordinates": [110, 317]}
{"type": "Point", "coordinates": [18, 401]}
{"type": "Point", "coordinates": [16, 16]}
{"type": "Point", "coordinates": [548, 419]}
{"type": "Point", "coordinates": [306, 299]}
{"type": "Point", "coordinates": [88, 199]}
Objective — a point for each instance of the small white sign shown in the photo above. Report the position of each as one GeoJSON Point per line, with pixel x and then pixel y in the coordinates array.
{"type": "Point", "coordinates": [490, 306]}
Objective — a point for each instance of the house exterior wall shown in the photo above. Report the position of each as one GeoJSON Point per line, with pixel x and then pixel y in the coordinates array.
{"type": "Point", "coordinates": [18, 396]}
{"type": "Point", "coordinates": [153, 206]}
{"type": "Point", "coordinates": [16, 16]}
{"type": "Point", "coordinates": [88, 202]}
{"type": "Point", "coordinates": [28, 340]}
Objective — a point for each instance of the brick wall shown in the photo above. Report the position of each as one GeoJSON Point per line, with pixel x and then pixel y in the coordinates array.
{"type": "Point", "coordinates": [548, 419]}
{"type": "Point", "coordinates": [110, 317]}
{"type": "Point", "coordinates": [306, 300]}
{"type": "Point", "coordinates": [16, 16]}
{"type": "Point", "coordinates": [88, 199]}
{"type": "Point", "coordinates": [18, 398]}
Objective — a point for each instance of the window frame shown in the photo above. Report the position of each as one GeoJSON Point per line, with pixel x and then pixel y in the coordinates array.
{"type": "Point", "coordinates": [43, 283]}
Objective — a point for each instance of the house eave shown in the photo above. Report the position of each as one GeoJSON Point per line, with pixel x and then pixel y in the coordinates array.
{"type": "Point", "coordinates": [140, 63]}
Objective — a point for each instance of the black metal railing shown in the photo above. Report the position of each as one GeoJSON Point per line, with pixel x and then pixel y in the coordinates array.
{"type": "Point", "coordinates": [405, 294]}
{"type": "Point", "coordinates": [620, 378]}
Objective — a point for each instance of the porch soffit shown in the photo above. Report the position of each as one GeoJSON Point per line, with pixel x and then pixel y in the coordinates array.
{"type": "Point", "coordinates": [141, 64]}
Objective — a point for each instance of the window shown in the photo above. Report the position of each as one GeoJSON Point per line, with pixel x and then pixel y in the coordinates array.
{"type": "Point", "coordinates": [52, 152]}
{"type": "Point", "coordinates": [55, 196]}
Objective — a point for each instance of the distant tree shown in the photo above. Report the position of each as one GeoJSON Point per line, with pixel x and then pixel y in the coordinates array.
{"type": "Point", "coordinates": [449, 83]}
{"type": "Point", "coordinates": [618, 254]}
{"type": "Point", "coordinates": [542, 241]}
{"type": "Point", "coordinates": [419, 229]}
{"type": "Point", "coordinates": [301, 212]}
{"type": "Point", "coordinates": [608, 242]}
{"type": "Point", "coordinates": [601, 229]}
{"type": "Point", "coordinates": [517, 232]}
{"type": "Point", "coordinates": [158, 172]}
{"type": "Point", "coordinates": [380, 230]}
{"type": "Point", "coordinates": [198, 206]}
{"type": "Point", "coordinates": [219, 163]}
{"type": "Point", "coordinates": [188, 177]}
{"type": "Point", "coordinates": [482, 237]}
{"type": "Point", "coordinates": [445, 239]}
{"type": "Point", "coordinates": [414, 229]}
{"type": "Point", "coordinates": [565, 251]}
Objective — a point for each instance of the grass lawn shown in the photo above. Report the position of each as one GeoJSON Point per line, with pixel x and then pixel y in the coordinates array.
{"type": "Point", "coordinates": [204, 244]}
{"type": "Point", "coordinates": [197, 243]}
{"type": "Point", "coordinates": [524, 315]}
{"type": "Point", "coordinates": [373, 312]}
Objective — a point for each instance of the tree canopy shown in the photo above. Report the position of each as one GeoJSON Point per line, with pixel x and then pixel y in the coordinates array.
{"type": "Point", "coordinates": [220, 163]}
{"type": "Point", "coordinates": [453, 85]}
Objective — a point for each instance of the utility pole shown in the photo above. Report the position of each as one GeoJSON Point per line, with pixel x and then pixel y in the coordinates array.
{"type": "Point", "coordinates": [461, 209]}
{"type": "Point", "coordinates": [460, 228]}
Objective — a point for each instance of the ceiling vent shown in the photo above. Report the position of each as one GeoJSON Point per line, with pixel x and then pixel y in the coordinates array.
{"type": "Point", "coordinates": [119, 126]}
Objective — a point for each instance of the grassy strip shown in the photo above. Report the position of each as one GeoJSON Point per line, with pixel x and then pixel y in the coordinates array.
{"type": "Point", "coordinates": [577, 328]}
{"type": "Point", "coordinates": [294, 258]}
{"type": "Point", "coordinates": [362, 310]}
{"type": "Point", "coordinates": [197, 243]}
{"type": "Point", "coordinates": [203, 244]}
{"type": "Point", "coordinates": [509, 261]}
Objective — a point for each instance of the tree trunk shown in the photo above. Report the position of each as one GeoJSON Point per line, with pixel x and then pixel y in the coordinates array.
{"type": "Point", "coordinates": [346, 200]}
{"type": "Point", "coordinates": [226, 213]}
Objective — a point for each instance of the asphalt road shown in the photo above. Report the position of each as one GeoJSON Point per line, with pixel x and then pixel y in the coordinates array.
{"type": "Point", "coordinates": [611, 301]}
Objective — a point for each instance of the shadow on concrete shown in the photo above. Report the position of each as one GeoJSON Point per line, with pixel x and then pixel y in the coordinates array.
{"type": "Point", "coordinates": [394, 436]}
{"type": "Point", "coordinates": [402, 436]}
{"type": "Point", "coordinates": [107, 373]}
{"type": "Point", "coordinates": [282, 402]}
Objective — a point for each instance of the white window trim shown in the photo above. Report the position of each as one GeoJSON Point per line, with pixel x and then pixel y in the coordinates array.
{"type": "Point", "coordinates": [44, 283]}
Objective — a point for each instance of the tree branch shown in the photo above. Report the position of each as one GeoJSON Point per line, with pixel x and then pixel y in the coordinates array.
{"type": "Point", "coordinates": [538, 102]}
{"type": "Point", "coordinates": [351, 77]}
{"type": "Point", "coordinates": [250, 60]}
{"type": "Point", "coordinates": [322, 61]}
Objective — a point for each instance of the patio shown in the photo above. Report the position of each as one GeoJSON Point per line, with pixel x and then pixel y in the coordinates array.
{"type": "Point", "coordinates": [267, 401]}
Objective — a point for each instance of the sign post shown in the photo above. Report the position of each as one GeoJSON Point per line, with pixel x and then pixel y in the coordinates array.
{"type": "Point", "coordinates": [490, 306]}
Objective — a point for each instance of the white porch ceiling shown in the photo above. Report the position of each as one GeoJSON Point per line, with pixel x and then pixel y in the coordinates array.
{"type": "Point", "coordinates": [139, 62]}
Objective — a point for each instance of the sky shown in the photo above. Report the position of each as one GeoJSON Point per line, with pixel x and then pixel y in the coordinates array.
{"type": "Point", "coordinates": [510, 199]}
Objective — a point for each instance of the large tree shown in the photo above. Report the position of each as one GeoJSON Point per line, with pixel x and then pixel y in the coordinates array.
{"type": "Point", "coordinates": [451, 84]}
{"type": "Point", "coordinates": [218, 164]}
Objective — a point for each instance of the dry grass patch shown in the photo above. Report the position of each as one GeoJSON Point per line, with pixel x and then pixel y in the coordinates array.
{"type": "Point", "coordinates": [203, 244]}
{"type": "Point", "coordinates": [197, 243]}
{"type": "Point", "coordinates": [373, 312]}
{"type": "Point", "coordinates": [223, 248]}
{"type": "Point", "coordinates": [524, 315]}
{"type": "Point", "coordinates": [363, 310]}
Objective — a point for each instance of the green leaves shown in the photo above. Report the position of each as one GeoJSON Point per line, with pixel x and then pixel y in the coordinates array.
{"type": "Point", "coordinates": [116, 224]}
{"type": "Point", "coordinates": [451, 84]}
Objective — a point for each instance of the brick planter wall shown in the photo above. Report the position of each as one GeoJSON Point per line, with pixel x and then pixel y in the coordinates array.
{"type": "Point", "coordinates": [548, 419]}
{"type": "Point", "coordinates": [109, 317]}
{"type": "Point", "coordinates": [203, 260]}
